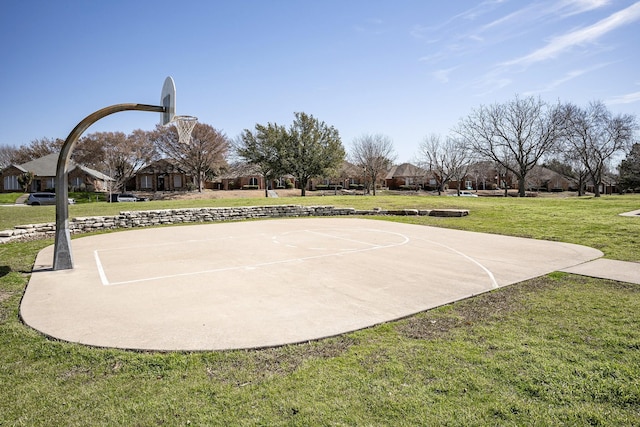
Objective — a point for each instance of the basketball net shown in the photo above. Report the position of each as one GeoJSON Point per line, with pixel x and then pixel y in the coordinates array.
{"type": "Point", "coordinates": [184, 125]}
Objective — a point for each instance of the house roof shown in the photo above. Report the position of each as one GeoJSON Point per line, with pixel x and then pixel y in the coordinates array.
{"type": "Point", "coordinates": [405, 170]}
{"type": "Point", "coordinates": [43, 166]}
{"type": "Point", "coordinates": [162, 165]}
{"type": "Point", "coordinates": [47, 165]}
{"type": "Point", "coordinates": [350, 170]}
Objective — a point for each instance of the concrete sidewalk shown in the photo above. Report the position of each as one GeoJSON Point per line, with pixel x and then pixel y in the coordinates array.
{"type": "Point", "coordinates": [273, 282]}
{"type": "Point", "coordinates": [620, 271]}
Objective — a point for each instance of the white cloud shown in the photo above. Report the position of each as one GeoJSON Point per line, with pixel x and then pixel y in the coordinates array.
{"type": "Point", "coordinates": [443, 75]}
{"type": "Point", "coordinates": [371, 26]}
{"type": "Point", "coordinates": [628, 98]}
{"type": "Point", "coordinates": [428, 32]}
{"type": "Point", "coordinates": [564, 79]}
{"type": "Point", "coordinates": [528, 16]}
{"type": "Point", "coordinates": [575, 7]}
{"type": "Point", "coordinates": [581, 36]}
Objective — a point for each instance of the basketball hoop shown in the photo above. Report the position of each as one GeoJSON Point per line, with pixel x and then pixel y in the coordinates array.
{"type": "Point", "coordinates": [184, 125]}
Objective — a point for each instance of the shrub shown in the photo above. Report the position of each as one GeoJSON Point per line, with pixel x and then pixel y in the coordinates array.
{"type": "Point", "coordinates": [410, 187]}
{"type": "Point", "coordinates": [328, 187]}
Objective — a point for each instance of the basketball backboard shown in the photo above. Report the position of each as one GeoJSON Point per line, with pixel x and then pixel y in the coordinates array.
{"type": "Point", "coordinates": [168, 101]}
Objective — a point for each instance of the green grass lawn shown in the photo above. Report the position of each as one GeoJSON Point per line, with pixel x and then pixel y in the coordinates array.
{"type": "Point", "coordinates": [556, 350]}
{"type": "Point", "coordinates": [9, 198]}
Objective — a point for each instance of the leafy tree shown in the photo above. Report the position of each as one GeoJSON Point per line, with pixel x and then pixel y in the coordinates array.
{"type": "Point", "coordinates": [515, 135]}
{"type": "Point", "coordinates": [595, 135]}
{"type": "Point", "coordinates": [311, 148]}
{"type": "Point", "coordinates": [374, 154]}
{"type": "Point", "coordinates": [202, 157]}
{"type": "Point", "coordinates": [630, 169]}
{"type": "Point", "coordinates": [25, 180]}
{"type": "Point", "coordinates": [262, 148]}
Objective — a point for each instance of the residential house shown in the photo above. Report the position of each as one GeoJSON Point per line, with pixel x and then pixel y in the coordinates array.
{"type": "Point", "coordinates": [81, 178]}
{"type": "Point", "coordinates": [161, 175]}
{"type": "Point", "coordinates": [244, 176]}
{"type": "Point", "coordinates": [349, 176]}
{"type": "Point", "coordinates": [541, 178]}
{"type": "Point", "coordinates": [408, 177]}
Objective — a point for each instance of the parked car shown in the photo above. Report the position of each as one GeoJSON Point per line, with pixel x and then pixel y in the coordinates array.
{"type": "Point", "coordinates": [127, 197]}
{"type": "Point", "coordinates": [465, 194]}
{"type": "Point", "coordinates": [37, 199]}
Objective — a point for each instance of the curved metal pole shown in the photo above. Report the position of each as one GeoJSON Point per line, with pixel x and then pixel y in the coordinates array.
{"type": "Point", "coordinates": [62, 256]}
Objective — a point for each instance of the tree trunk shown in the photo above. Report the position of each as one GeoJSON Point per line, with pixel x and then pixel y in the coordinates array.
{"type": "Point", "coordinates": [580, 186]}
{"type": "Point", "coordinates": [522, 191]}
{"type": "Point", "coordinates": [303, 187]}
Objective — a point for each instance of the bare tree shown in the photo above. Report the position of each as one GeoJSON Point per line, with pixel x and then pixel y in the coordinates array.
{"type": "Point", "coordinates": [595, 135]}
{"type": "Point", "coordinates": [568, 165]}
{"type": "Point", "coordinates": [91, 151]}
{"type": "Point", "coordinates": [203, 156]}
{"type": "Point", "coordinates": [515, 135]}
{"type": "Point", "coordinates": [7, 155]}
{"type": "Point", "coordinates": [374, 154]}
{"type": "Point", "coordinates": [482, 171]}
{"type": "Point", "coordinates": [446, 159]}
{"type": "Point", "coordinates": [262, 149]}
{"type": "Point", "coordinates": [119, 155]}
{"type": "Point", "coordinates": [36, 149]}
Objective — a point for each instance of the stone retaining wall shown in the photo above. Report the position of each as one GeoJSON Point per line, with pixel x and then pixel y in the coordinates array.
{"type": "Point", "coordinates": [134, 219]}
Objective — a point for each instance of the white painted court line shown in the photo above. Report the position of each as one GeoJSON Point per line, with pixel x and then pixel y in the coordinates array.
{"type": "Point", "coordinates": [494, 282]}
{"type": "Point", "coordinates": [405, 238]}
{"type": "Point", "coordinates": [106, 282]}
{"type": "Point", "coordinates": [155, 245]}
{"type": "Point", "coordinates": [326, 233]}
{"type": "Point", "coordinates": [101, 273]}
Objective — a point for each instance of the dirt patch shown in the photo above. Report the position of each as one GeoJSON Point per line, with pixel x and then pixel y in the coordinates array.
{"type": "Point", "coordinates": [4, 296]}
{"type": "Point", "coordinates": [260, 365]}
{"type": "Point", "coordinates": [492, 306]}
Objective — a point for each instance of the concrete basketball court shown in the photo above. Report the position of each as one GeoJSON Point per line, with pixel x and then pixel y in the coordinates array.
{"type": "Point", "coordinates": [265, 283]}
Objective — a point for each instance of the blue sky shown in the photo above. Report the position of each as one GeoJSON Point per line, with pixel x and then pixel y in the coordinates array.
{"type": "Point", "coordinates": [401, 68]}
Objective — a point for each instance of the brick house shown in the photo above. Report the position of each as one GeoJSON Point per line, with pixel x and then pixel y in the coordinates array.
{"type": "Point", "coordinates": [81, 178]}
{"type": "Point", "coordinates": [161, 175]}
{"type": "Point", "coordinates": [407, 177]}
{"type": "Point", "coordinates": [244, 176]}
{"type": "Point", "coordinates": [349, 177]}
